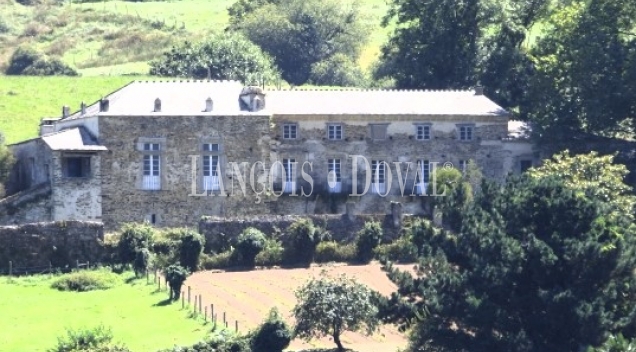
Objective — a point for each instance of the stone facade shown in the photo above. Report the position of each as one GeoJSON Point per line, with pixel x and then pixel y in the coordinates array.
{"type": "Point", "coordinates": [146, 145]}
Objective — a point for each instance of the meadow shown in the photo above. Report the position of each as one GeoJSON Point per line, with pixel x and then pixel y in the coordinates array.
{"type": "Point", "coordinates": [34, 315]}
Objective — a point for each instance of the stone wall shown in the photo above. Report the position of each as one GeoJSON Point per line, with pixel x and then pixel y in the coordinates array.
{"type": "Point", "coordinates": [60, 243]}
{"type": "Point", "coordinates": [32, 205]}
{"type": "Point", "coordinates": [342, 227]}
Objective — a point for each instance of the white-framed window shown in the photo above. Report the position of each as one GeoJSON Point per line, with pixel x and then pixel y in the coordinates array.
{"type": "Point", "coordinates": [466, 132]}
{"type": "Point", "coordinates": [334, 177]}
{"type": "Point", "coordinates": [152, 147]}
{"type": "Point", "coordinates": [151, 169]}
{"type": "Point", "coordinates": [462, 165]}
{"type": "Point", "coordinates": [290, 131]}
{"type": "Point", "coordinates": [211, 147]}
{"type": "Point", "coordinates": [289, 184]}
{"type": "Point", "coordinates": [210, 172]}
{"type": "Point", "coordinates": [422, 132]}
{"type": "Point", "coordinates": [334, 131]}
{"type": "Point", "coordinates": [378, 176]}
{"type": "Point", "coordinates": [423, 176]}
{"type": "Point", "coordinates": [378, 131]}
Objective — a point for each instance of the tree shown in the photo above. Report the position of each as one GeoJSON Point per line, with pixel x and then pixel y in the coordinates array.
{"type": "Point", "coordinates": [222, 56]}
{"type": "Point", "coordinates": [6, 164]}
{"type": "Point", "coordinates": [242, 8]}
{"type": "Point", "coordinates": [273, 335]}
{"type": "Point", "coordinates": [299, 34]}
{"type": "Point", "coordinates": [28, 61]}
{"type": "Point", "coordinates": [368, 238]}
{"type": "Point", "coordinates": [301, 241]}
{"type": "Point", "coordinates": [329, 307]}
{"type": "Point", "coordinates": [434, 44]}
{"type": "Point", "coordinates": [338, 70]}
{"type": "Point", "coordinates": [248, 244]}
{"type": "Point", "coordinates": [175, 276]}
{"type": "Point", "coordinates": [581, 80]}
{"type": "Point", "coordinates": [538, 267]}
{"type": "Point", "coordinates": [190, 249]}
{"type": "Point", "coordinates": [595, 176]}
{"type": "Point", "coordinates": [134, 237]}
{"type": "Point", "coordinates": [141, 262]}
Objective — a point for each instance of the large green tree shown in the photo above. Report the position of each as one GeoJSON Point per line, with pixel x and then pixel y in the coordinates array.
{"type": "Point", "coordinates": [583, 70]}
{"type": "Point", "coordinates": [301, 33]}
{"type": "Point", "coordinates": [222, 56]}
{"type": "Point", "coordinates": [329, 307]}
{"type": "Point", "coordinates": [536, 266]}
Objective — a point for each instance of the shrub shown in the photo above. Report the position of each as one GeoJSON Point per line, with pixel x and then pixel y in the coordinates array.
{"type": "Point", "coordinates": [142, 261]}
{"type": "Point", "coordinates": [4, 26]}
{"type": "Point", "coordinates": [176, 276]}
{"type": "Point", "coordinates": [248, 244]}
{"type": "Point", "coordinates": [338, 70]}
{"type": "Point", "coordinates": [273, 335]}
{"type": "Point", "coordinates": [400, 251]}
{"type": "Point", "coordinates": [190, 250]}
{"type": "Point", "coordinates": [272, 254]}
{"type": "Point", "coordinates": [217, 261]}
{"type": "Point", "coordinates": [302, 238]}
{"type": "Point", "coordinates": [367, 239]}
{"type": "Point", "coordinates": [27, 61]}
{"type": "Point", "coordinates": [331, 251]}
{"type": "Point", "coordinates": [221, 342]}
{"type": "Point", "coordinates": [133, 238]}
{"type": "Point", "coordinates": [82, 281]}
{"type": "Point", "coordinates": [98, 339]}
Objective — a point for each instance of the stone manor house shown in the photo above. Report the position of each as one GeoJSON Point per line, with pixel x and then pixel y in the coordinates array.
{"type": "Point", "coordinates": [170, 152]}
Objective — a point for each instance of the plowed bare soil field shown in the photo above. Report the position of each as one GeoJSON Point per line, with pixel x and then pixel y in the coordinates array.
{"type": "Point", "coordinates": [247, 296]}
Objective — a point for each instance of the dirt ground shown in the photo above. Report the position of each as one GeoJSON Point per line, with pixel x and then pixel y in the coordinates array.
{"type": "Point", "coordinates": [247, 296]}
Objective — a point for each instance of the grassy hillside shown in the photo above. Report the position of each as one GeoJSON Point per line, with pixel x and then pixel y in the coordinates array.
{"type": "Point", "coordinates": [116, 37]}
{"type": "Point", "coordinates": [25, 100]}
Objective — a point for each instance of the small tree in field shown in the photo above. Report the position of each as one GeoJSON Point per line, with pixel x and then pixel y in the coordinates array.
{"type": "Point", "coordinates": [329, 307]}
{"type": "Point", "coordinates": [176, 276]}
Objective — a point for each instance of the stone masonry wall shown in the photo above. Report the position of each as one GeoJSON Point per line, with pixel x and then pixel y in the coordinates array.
{"type": "Point", "coordinates": [32, 205]}
{"type": "Point", "coordinates": [242, 139]}
{"type": "Point", "coordinates": [61, 243]}
{"type": "Point", "coordinates": [340, 227]}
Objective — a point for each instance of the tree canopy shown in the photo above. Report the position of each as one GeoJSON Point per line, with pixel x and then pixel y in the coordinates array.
{"type": "Point", "coordinates": [329, 307]}
{"type": "Point", "coordinates": [536, 266]}
{"type": "Point", "coordinates": [222, 56]}
{"type": "Point", "coordinates": [299, 34]}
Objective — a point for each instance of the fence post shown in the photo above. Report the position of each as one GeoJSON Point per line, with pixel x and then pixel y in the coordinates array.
{"type": "Point", "coordinates": [211, 311]}
{"type": "Point", "coordinates": [224, 321]}
{"type": "Point", "coordinates": [188, 294]}
{"type": "Point", "coordinates": [50, 269]}
{"type": "Point", "coordinates": [147, 277]}
{"type": "Point", "coordinates": [77, 264]}
{"type": "Point", "coordinates": [195, 305]}
{"type": "Point", "coordinates": [88, 264]}
{"type": "Point", "coordinates": [200, 304]}
{"type": "Point", "coordinates": [10, 268]}
{"type": "Point", "coordinates": [236, 326]}
{"type": "Point", "coordinates": [205, 315]}
{"type": "Point", "coordinates": [159, 284]}
{"type": "Point", "coordinates": [182, 299]}
{"type": "Point", "coordinates": [155, 279]}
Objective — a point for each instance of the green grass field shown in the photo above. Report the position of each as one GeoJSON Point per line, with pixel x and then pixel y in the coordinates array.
{"type": "Point", "coordinates": [35, 315]}
{"type": "Point", "coordinates": [25, 100]}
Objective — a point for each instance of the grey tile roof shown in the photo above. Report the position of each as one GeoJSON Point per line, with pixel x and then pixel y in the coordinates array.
{"type": "Point", "coordinates": [74, 139]}
{"type": "Point", "coordinates": [183, 97]}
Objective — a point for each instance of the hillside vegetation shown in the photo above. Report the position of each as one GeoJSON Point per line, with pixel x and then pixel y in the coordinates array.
{"type": "Point", "coordinates": [119, 37]}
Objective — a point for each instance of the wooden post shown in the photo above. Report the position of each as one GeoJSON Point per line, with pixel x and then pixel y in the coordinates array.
{"type": "Point", "coordinates": [200, 304]}
{"type": "Point", "coordinates": [50, 269]}
{"type": "Point", "coordinates": [77, 264]}
{"type": "Point", "coordinates": [88, 264]}
{"type": "Point", "coordinates": [205, 315]}
{"type": "Point", "coordinates": [224, 321]}
{"type": "Point", "coordinates": [195, 304]}
{"type": "Point", "coordinates": [226, 324]}
{"type": "Point", "coordinates": [10, 268]}
{"type": "Point", "coordinates": [147, 277]}
{"type": "Point", "coordinates": [188, 294]}
{"type": "Point", "coordinates": [155, 279]}
{"type": "Point", "coordinates": [236, 325]}
{"type": "Point", "coordinates": [159, 284]}
{"type": "Point", "coordinates": [211, 311]}
{"type": "Point", "coordinates": [182, 299]}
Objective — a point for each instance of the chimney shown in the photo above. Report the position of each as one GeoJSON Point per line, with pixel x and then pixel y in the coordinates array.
{"type": "Point", "coordinates": [208, 104]}
{"type": "Point", "coordinates": [479, 90]}
{"type": "Point", "coordinates": [47, 126]}
{"type": "Point", "coordinates": [83, 108]}
{"type": "Point", "coordinates": [65, 111]}
{"type": "Point", "coordinates": [157, 105]}
{"type": "Point", "coordinates": [103, 105]}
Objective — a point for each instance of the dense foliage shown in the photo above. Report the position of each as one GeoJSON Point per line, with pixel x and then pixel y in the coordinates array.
{"type": "Point", "coordinates": [248, 244]}
{"type": "Point", "coordinates": [368, 238]}
{"type": "Point", "coordinates": [536, 266]}
{"type": "Point", "coordinates": [27, 61]}
{"type": "Point", "coordinates": [221, 56]}
{"type": "Point", "coordinates": [273, 335]}
{"type": "Point", "coordinates": [329, 307]}
{"type": "Point", "coordinates": [134, 237]}
{"type": "Point", "coordinates": [98, 339]}
{"type": "Point", "coordinates": [175, 276]}
{"type": "Point", "coordinates": [302, 238]}
{"type": "Point", "coordinates": [190, 249]}
{"type": "Point", "coordinates": [299, 34]}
